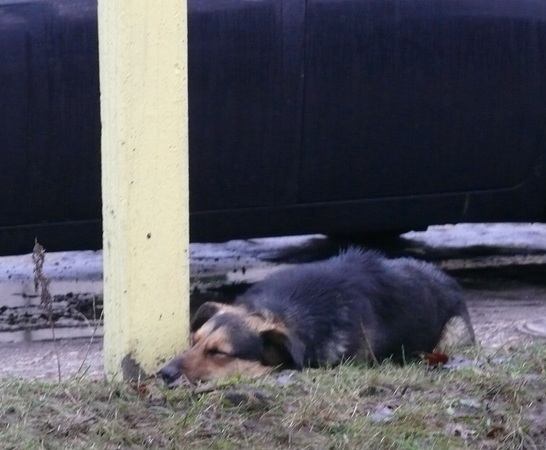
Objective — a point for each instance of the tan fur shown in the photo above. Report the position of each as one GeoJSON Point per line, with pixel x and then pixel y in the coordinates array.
{"type": "Point", "coordinates": [204, 331]}
{"type": "Point", "coordinates": [198, 363]}
{"type": "Point", "coordinates": [263, 322]}
{"type": "Point", "coordinates": [455, 334]}
{"type": "Point", "coordinates": [233, 309]}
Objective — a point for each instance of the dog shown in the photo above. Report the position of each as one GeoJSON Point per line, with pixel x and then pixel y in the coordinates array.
{"type": "Point", "coordinates": [356, 306]}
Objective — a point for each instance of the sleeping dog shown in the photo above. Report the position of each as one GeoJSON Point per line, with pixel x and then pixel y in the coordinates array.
{"type": "Point", "coordinates": [357, 306]}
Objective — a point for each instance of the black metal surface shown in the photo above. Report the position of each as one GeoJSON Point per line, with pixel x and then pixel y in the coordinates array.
{"type": "Point", "coordinates": [244, 102]}
{"type": "Point", "coordinates": [49, 112]}
{"type": "Point", "coordinates": [422, 97]}
{"type": "Point", "coordinates": [305, 116]}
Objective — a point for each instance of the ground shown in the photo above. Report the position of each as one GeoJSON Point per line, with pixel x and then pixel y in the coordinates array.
{"type": "Point", "coordinates": [487, 397]}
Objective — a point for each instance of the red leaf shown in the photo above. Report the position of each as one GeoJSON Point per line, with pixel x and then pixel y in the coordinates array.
{"type": "Point", "coordinates": [435, 359]}
{"type": "Point", "coordinates": [141, 389]}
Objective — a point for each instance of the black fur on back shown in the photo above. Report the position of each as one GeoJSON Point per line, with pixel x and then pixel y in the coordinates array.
{"type": "Point", "coordinates": [403, 304]}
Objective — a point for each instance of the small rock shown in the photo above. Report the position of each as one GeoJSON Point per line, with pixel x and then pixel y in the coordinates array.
{"type": "Point", "coordinates": [471, 403]}
{"type": "Point", "coordinates": [285, 379]}
{"type": "Point", "coordinates": [382, 414]}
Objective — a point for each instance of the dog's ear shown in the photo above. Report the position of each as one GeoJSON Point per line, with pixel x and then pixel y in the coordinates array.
{"type": "Point", "coordinates": [282, 349]}
{"type": "Point", "coordinates": [203, 314]}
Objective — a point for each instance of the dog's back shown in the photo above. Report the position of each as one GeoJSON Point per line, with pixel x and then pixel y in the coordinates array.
{"type": "Point", "coordinates": [360, 303]}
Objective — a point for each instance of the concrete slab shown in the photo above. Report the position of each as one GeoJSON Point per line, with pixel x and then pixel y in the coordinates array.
{"type": "Point", "coordinates": [515, 236]}
{"type": "Point", "coordinates": [69, 272]}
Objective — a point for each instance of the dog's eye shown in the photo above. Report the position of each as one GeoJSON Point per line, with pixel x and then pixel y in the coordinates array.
{"type": "Point", "coordinates": [215, 352]}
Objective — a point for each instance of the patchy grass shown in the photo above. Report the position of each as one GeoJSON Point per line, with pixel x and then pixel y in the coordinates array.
{"type": "Point", "coordinates": [483, 402]}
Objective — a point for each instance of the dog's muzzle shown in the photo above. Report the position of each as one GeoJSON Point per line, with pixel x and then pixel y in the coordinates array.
{"type": "Point", "coordinates": [170, 373]}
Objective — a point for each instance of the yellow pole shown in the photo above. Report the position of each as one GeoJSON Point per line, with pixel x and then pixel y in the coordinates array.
{"type": "Point", "coordinates": [143, 75]}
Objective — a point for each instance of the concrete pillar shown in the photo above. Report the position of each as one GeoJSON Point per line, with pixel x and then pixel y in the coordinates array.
{"type": "Point", "coordinates": [143, 75]}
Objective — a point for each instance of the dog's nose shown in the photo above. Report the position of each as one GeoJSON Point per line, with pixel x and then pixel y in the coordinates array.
{"type": "Point", "coordinates": [169, 373]}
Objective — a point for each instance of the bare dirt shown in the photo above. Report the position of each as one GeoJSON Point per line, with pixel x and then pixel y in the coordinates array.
{"type": "Point", "coordinates": [504, 301]}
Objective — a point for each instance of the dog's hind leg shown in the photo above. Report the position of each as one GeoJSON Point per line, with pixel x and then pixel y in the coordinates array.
{"type": "Point", "coordinates": [457, 332]}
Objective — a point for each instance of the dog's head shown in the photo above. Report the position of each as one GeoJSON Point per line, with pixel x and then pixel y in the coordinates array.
{"type": "Point", "coordinates": [229, 340]}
